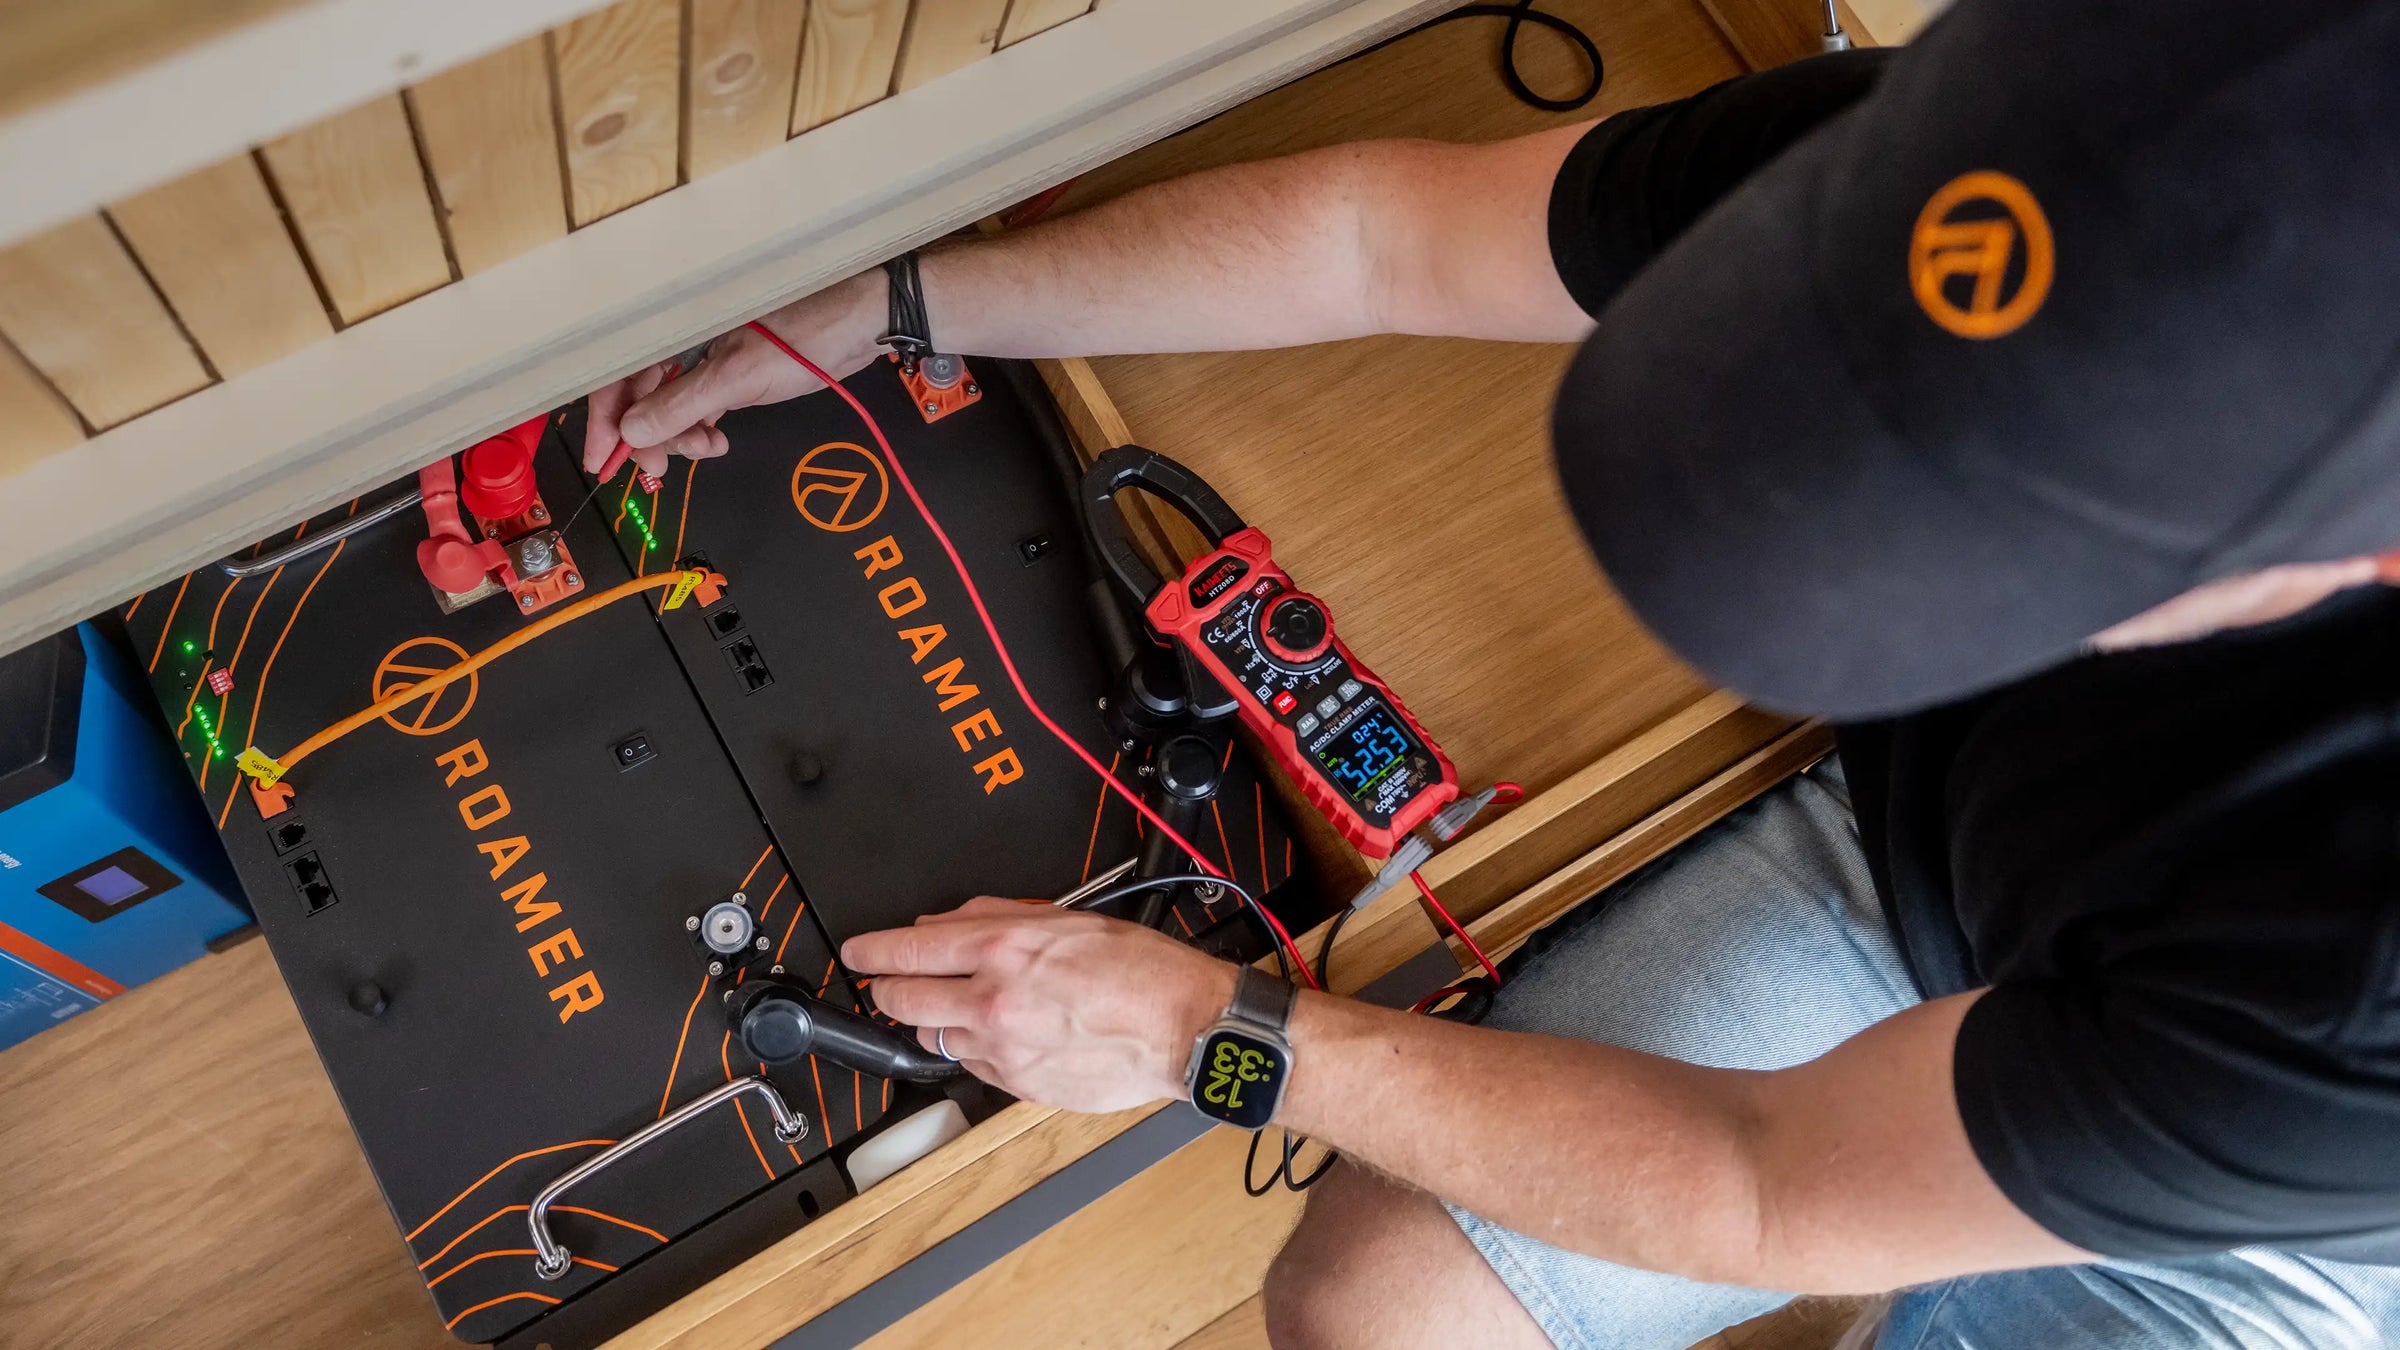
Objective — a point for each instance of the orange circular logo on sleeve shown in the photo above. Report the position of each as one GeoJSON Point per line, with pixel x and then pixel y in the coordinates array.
{"type": "Point", "coordinates": [1979, 260]}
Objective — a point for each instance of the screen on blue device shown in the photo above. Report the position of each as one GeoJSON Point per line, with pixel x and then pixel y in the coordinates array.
{"type": "Point", "coordinates": [111, 886]}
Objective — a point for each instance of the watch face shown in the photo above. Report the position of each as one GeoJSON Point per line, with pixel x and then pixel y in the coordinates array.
{"type": "Point", "coordinates": [1241, 1079]}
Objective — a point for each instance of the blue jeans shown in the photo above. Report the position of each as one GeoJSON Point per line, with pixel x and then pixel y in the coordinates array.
{"type": "Point", "coordinates": [1760, 944]}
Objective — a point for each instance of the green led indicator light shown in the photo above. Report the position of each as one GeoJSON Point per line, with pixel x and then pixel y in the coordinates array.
{"type": "Point", "coordinates": [633, 509]}
{"type": "Point", "coordinates": [208, 730]}
{"type": "Point", "coordinates": [188, 645]}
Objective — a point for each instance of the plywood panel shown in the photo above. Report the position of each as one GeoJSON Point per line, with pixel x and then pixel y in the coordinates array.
{"type": "Point", "coordinates": [34, 420]}
{"type": "Point", "coordinates": [490, 134]}
{"type": "Point", "coordinates": [846, 58]}
{"type": "Point", "coordinates": [1118, 1274]}
{"type": "Point", "coordinates": [76, 306]}
{"type": "Point", "coordinates": [619, 78]}
{"type": "Point", "coordinates": [48, 51]}
{"type": "Point", "coordinates": [218, 250]}
{"type": "Point", "coordinates": [1028, 17]}
{"type": "Point", "coordinates": [744, 58]}
{"type": "Point", "coordinates": [944, 35]}
{"type": "Point", "coordinates": [356, 193]}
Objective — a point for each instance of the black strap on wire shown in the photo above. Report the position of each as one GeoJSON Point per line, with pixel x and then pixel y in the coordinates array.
{"type": "Point", "coordinates": [1518, 15]}
{"type": "Point", "coordinates": [909, 332]}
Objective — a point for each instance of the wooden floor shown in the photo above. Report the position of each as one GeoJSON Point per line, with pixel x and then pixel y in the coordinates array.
{"type": "Point", "coordinates": [252, 1218]}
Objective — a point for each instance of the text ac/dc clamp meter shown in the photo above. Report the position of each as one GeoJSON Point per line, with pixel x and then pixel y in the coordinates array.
{"type": "Point", "coordinates": [1336, 729]}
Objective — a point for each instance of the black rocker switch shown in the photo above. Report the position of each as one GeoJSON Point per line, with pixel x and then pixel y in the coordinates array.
{"type": "Point", "coordinates": [634, 749]}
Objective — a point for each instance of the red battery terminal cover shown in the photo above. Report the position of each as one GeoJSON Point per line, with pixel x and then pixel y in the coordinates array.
{"type": "Point", "coordinates": [516, 546]}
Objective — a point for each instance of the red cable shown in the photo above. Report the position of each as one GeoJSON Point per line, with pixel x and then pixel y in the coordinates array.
{"type": "Point", "coordinates": [1456, 927]}
{"type": "Point", "coordinates": [959, 565]}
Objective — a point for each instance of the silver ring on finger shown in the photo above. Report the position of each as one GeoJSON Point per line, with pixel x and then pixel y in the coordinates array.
{"type": "Point", "coordinates": [940, 1045]}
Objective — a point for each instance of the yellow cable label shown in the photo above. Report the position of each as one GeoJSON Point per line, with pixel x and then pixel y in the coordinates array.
{"type": "Point", "coordinates": [260, 765]}
{"type": "Point", "coordinates": [684, 585]}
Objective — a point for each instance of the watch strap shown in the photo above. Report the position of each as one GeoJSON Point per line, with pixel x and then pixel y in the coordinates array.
{"type": "Point", "coordinates": [1262, 999]}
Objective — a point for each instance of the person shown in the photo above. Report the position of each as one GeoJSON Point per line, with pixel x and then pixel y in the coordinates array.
{"type": "Point", "coordinates": [2026, 401]}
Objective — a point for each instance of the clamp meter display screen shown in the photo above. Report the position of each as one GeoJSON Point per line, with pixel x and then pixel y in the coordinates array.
{"type": "Point", "coordinates": [1358, 757]}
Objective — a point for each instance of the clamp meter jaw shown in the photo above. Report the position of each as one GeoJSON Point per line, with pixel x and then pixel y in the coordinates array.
{"type": "Point", "coordinates": [1337, 730]}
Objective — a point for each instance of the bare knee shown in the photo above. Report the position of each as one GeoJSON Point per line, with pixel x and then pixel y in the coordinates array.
{"type": "Point", "coordinates": [1318, 1281]}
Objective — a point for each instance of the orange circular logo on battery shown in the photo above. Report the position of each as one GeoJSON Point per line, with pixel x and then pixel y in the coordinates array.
{"type": "Point", "coordinates": [840, 487]}
{"type": "Point", "coordinates": [411, 662]}
{"type": "Point", "coordinates": [1979, 260]}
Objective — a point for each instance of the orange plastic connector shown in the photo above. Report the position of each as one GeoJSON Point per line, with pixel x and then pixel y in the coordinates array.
{"type": "Point", "coordinates": [936, 401]}
{"type": "Point", "coordinates": [710, 588]}
{"type": "Point", "coordinates": [271, 799]}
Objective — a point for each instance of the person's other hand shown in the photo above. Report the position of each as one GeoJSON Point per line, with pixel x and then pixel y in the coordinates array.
{"type": "Point", "coordinates": [836, 328]}
{"type": "Point", "coordinates": [1054, 1006]}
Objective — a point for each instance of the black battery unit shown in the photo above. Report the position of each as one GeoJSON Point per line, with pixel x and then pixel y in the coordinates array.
{"type": "Point", "coordinates": [484, 902]}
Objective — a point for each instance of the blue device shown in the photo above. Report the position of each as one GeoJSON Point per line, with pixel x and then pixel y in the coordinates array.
{"type": "Point", "coordinates": [110, 871]}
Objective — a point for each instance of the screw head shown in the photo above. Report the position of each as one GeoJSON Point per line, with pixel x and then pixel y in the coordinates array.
{"type": "Point", "coordinates": [540, 514]}
{"type": "Point", "coordinates": [740, 899]}
{"type": "Point", "coordinates": [761, 944]}
{"type": "Point", "coordinates": [1126, 745]}
{"type": "Point", "coordinates": [525, 602]}
{"type": "Point", "coordinates": [932, 407]}
{"type": "Point", "coordinates": [573, 580]}
{"type": "Point", "coordinates": [775, 969]}
{"type": "Point", "coordinates": [692, 924]}
{"type": "Point", "coordinates": [1146, 770]}
{"type": "Point", "coordinates": [1101, 703]}
{"type": "Point", "coordinates": [971, 389]}
{"type": "Point", "coordinates": [716, 967]}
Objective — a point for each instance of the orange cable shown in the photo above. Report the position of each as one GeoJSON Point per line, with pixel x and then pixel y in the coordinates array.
{"type": "Point", "coordinates": [1093, 846]}
{"type": "Point", "coordinates": [434, 684]}
{"type": "Point", "coordinates": [762, 861]}
{"type": "Point", "coordinates": [259, 696]}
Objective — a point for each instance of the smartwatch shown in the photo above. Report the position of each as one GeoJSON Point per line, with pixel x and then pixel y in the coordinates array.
{"type": "Point", "coordinates": [1240, 1064]}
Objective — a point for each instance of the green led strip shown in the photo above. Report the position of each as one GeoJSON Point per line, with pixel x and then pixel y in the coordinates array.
{"type": "Point", "coordinates": [634, 509]}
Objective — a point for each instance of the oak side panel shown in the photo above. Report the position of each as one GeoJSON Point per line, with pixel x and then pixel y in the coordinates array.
{"type": "Point", "coordinates": [1028, 17]}
{"type": "Point", "coordinates": [34, 421]}
{"type": "Point", "coordinates": [846, 58]}
{"type": "Point", "coordinates": [220, 253]}
{"type": "Point", "coordinates": [1119, 1272]}
{"type": "Point", "coordinates": [178, 1172]}
{"type": "Point", "coordinates": [357, 197]}
{"type": "Point", "coordinates": [743, 62]}
{"type": "Point", "coordinates": [944, 35]}
{"type": "Point", "coordinates": [619, 96]}
{"type": "Point", "coordinates": [490, 132]}
{"type": "Point", "coordinates": [75, 306]}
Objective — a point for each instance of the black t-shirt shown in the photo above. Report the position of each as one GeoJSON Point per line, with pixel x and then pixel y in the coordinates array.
{"type": "Point", "coordinates": [2177, 870]}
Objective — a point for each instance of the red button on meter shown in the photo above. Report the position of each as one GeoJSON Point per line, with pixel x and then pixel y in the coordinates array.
{"type": "Point", "coordinates": [1284, 702]}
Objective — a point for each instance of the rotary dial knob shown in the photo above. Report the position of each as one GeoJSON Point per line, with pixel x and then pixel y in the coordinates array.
{"type": "Point", "coordinates": [1293, 629]}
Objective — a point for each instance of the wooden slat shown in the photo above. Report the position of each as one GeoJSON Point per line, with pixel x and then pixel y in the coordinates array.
{"type": "Point", "coordinates": [744, 59]}
{"type": "Point", "coordinates": [1243, 1328]}
{"type": "Point", "coordinates": [619, 78]}
{"type": "Point", "coordinates": [1028, 17]}
{"type": "Point", "coordinates": [944, 35]}
{"type": "Point", "coordinates": [51, 50]}
{"type": "Point", "coordinates": [1148, 1283]}
{"type": "Point", "coordinates": [218, 250]}
{"type": "Point", "coordinates": [34, 420]}
{"type": "Point", "coordinates": [865, 1238]}
{"type": "Point", "coordinates": [490, 134]}
{"type": "Point", "coordinates": [846, 58]}
{"type": "Point", "coordinates": [1769, 32]}
{"type": "Point", "coordinates": [356, 193]}
{"type": "Point", "coordinates": [77, 307]}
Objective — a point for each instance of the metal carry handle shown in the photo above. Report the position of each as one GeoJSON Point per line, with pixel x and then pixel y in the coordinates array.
{"type": "Point", "coordinates": [551, 1257]}
{"type": "Point", "coordinates": [1133, 466]}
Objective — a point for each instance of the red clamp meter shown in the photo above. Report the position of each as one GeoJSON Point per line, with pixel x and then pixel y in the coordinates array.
{"type": "Point", "coordinates": [1338, 731]}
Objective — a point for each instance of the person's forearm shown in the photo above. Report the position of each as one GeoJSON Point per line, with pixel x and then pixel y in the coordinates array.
{"type": "Point", "coordinates": [1353, 240]}
{"type": "Point", "coordinates": [1633, 1158]}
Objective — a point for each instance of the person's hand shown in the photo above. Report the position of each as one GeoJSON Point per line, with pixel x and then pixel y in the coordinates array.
{"type": "Point", "coordinates": [1063, 1008]}
{"type": "Point", "coordinates": [836, 328]}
